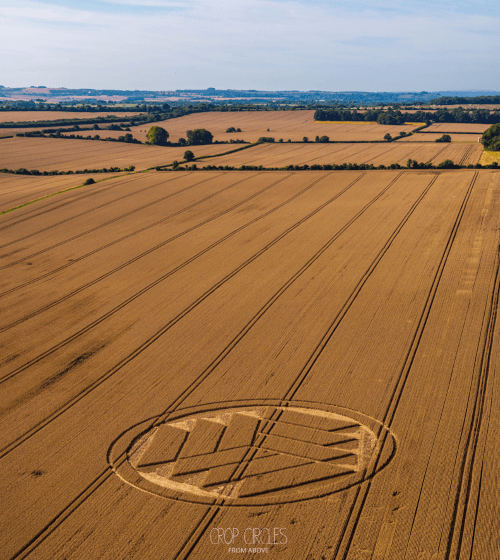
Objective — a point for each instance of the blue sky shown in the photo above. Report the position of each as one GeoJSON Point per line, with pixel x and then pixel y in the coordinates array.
{"type": "Point", "coordinates": [338, 45]}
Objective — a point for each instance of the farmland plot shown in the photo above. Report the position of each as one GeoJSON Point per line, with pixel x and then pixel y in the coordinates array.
{"type": "Point", "coordinates": [424, 137]}
{"type": "Point", "coordinates": [471, 128]}
{"type": "Point", "coordinates": [49, 154]}
{"type": "Point", "coordinates": [20, 189]}
{"type": "Point", "coordinates": [293, 125]}
{"type": "Point", "coordinates": [305, 359]}
{"type": "Point", "coordinates": [281, 155]}
{"type": "Point", "coordinates": [28, 116]}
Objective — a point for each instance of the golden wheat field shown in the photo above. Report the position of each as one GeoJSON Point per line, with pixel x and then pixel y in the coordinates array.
{"type": "Point", "coordinates": [218, 364]}
{"type": "Point", "coordinates": [293, 125]}
{"type": "Point", "coordinates": [49, 154]}
{"type": "Point", "coordinates": [16, 190]}
{"type": "Point", "coordinates": [471, 128]}
{"type": "Point", "coordinates": [431, 137]}
{"type": "Point", "coordinates": [29, 116]}
{"type": "Point", "coordinates": [281, 155]}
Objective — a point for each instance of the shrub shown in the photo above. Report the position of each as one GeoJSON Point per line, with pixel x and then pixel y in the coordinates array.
{"type": "Point", "coordinates": [188, 155]}
{"type": "Point", "coordinates": [89, 181]}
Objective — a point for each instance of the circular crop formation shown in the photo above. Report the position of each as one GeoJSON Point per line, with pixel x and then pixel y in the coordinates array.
{"type": "Point", "coordinates": [252, 455]}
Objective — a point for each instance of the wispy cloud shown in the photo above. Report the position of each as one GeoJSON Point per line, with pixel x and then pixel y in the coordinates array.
{"type": "Point", "coordinates": [284, 44]}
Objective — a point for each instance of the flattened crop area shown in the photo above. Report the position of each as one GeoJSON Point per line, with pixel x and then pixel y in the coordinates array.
{"type": "Point", "coordinates": [49, 154]}
{"type": "Point", "coordinates": [299, 362]}
{"type": "Point", "coordinates": [281, 155]}
{"type": "Point", "coordinates": [293, 125]}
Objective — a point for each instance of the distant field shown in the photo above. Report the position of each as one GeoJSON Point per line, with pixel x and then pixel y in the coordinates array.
{"type": "Point", "coordinates": [488, 158]}
{"type": "Point", "coordinates": [48, 154]}
{"type": "Point", "coordinates": [293, 125]}
{"type": "Point", "coordinates": [20, 189]}
{"type": "Point", "coordinates": [433, 137]}
{"type": "Point", "coordinates": [280, 155]}
{"type": "Point", "coordinates": [22, 116]}
{"type": "Point", "coordinates": [458, 127]}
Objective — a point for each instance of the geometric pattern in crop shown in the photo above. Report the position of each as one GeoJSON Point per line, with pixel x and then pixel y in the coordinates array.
{"type": "Point", "coordinates": [254, 455]}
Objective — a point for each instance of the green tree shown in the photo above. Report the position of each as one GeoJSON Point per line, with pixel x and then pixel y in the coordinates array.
{"type": "Point", "coordinates": [444, 138]}
{"type": "Point", "coordinates": [388, 137]}
{"type": "Point", "coordinates": [199, 136]}
{"type": "Point", "coordinates": [188, 155]}
{"type": "Point", "coordinates": [491, 138]}
{"type": "Point", "coordinates": [324, 139]}
{"type": "Point", "coordinates": [316, 139]}
{"type": "Point", "coordinates": [305, 139]}
{"type": "Point", "coordinates": [157, 136]}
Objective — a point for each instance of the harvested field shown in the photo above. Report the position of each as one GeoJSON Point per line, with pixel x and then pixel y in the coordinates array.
{"type": "Point", "coordinates": [293, 125]}
{"type": "Point", "coordinates": [29, 116]}
{"type": "Point", "coordinates": [48, 154]}
{"type": "Point", "coordinates": [299, 362]}
{"type": "Point", "coordinates": [20, 189]}
{"type": "Point", "coordinates": [281, 155]}
{"type": "Point", "coordinates": [425, 137]}
{"type": "Point", "coordinates": [444, 128]}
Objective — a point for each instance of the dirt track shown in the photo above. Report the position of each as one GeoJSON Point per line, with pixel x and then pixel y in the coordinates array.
{"type": "Point", "coordinates": [332, 334]}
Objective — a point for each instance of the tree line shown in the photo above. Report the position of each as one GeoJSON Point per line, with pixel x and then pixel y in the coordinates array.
{"type": "Point", "coordinates": [391, 117]}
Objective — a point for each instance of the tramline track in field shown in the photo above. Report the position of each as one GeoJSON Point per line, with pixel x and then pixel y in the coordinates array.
{"type": "Point", "coordinates": [193, 539]}
{"type": "Point", "coordinates": [350, 525]}
{"type": "Point", "coordinates": [132, 234]}
{"type": "Point", "coordinates": [172, 322]}
{"type": "Point", "coordinates": [140, 256]}
{"type": "Point", "coordinates": [86, 195]}
{"type": "Point", "coordinates": [462, 501]}
{"type": "Point", "coordinates": [199, 531]}
{"type": "Point", "coordinates": [98, 481]}
{"type": "Point", "coordinates": [155, 283]}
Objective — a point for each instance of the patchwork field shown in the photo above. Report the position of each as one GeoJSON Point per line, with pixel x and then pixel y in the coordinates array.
{"type": "Point", "coordinates": [293, 125]}
{"type": "Point", "coordinates": [426, 137]}
{"type": "Point", "coordinates": [217, 364]}
{"type": "Point", "coordinates": [20, 189]}
{"type": "Point", "coordinates": [28, 116]}
{"type": "Point", "coordinates": [281, 155]}
{"type": "Point", "coordinates": [48, 154]}
{"type": "Point", "coordinates": [458, 127]}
